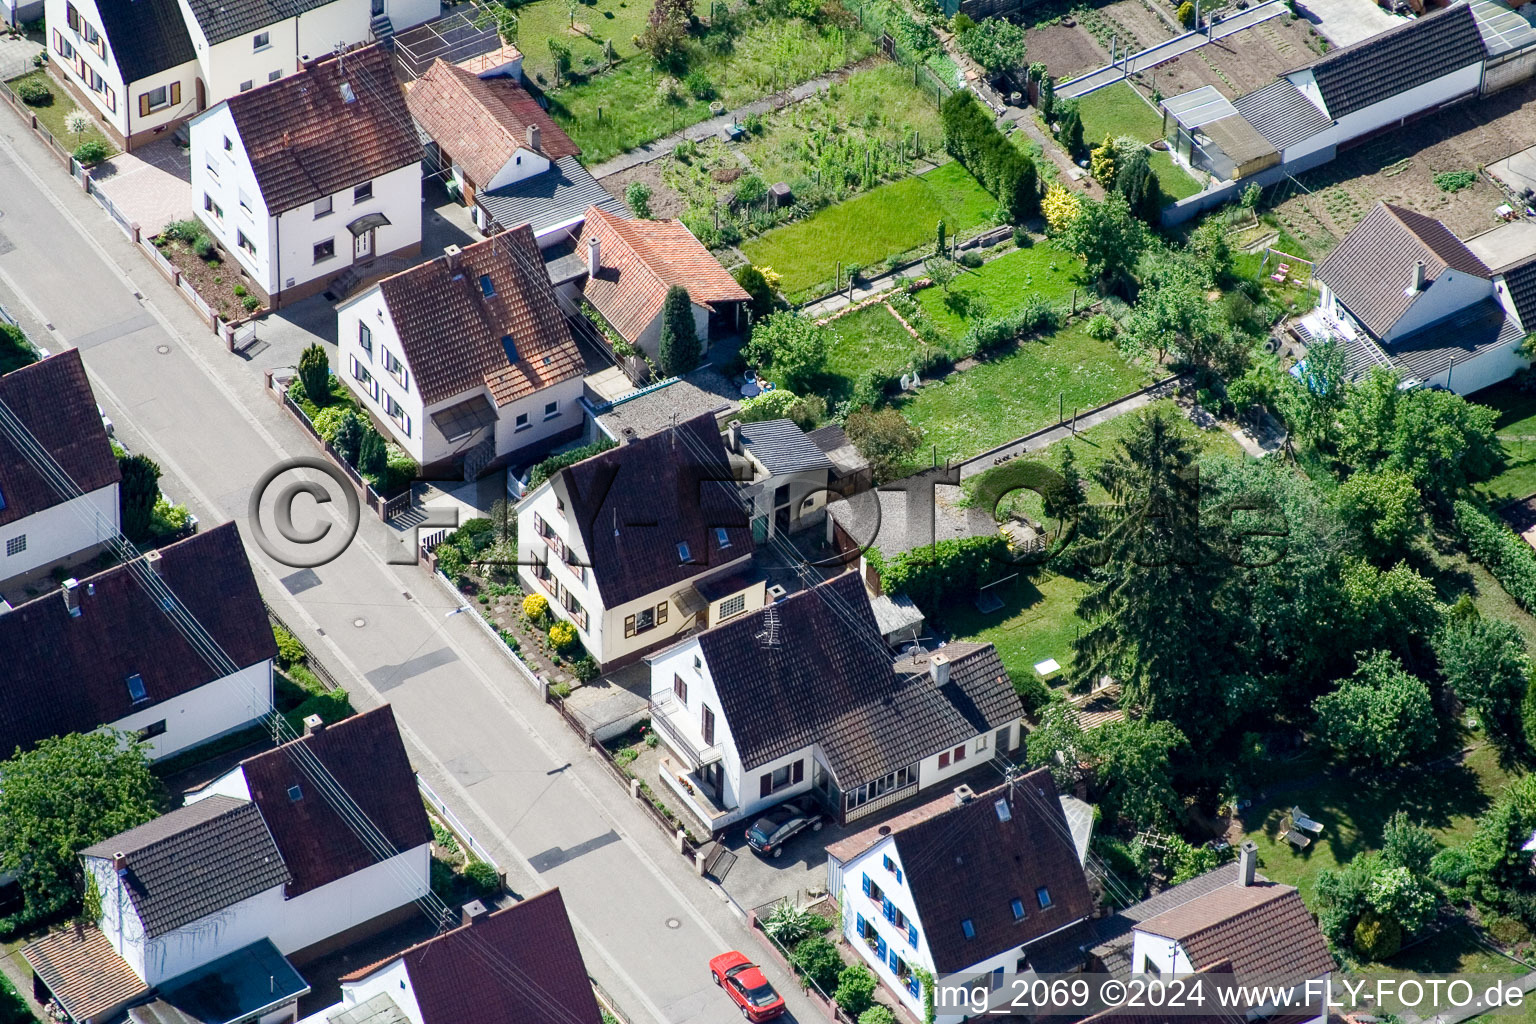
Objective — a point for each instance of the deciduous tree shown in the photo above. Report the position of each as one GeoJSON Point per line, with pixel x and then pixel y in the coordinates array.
{"type": "Point", "coordinates": [791, 344]}
{"type": "Point", "coordinates": [1381, 716]}
{"type": "Point", "coordinates": [1108, 238]}
{"type": "Point", "coordinates": [1484, 661]}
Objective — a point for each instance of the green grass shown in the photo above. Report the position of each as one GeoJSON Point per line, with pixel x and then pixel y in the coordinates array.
{"type": "Point", "coordinates": [617, 21]}
{"type": "Point", "coordinates": [869, 228]}
{"type": "Point", "coordinates": [870, 339]}
{"type": "Point", "coordinates": [1177, 183]}
{"type": "Point", "coordinates": [1004, 398]}
{"type": "Point", "coordinates": [1516, 429]}
{"type": "Point", "coordinates": [13, 1008]}
{"type": "Point", "coordinates": [1004, 285]}
{"type": "Point", "coordinates": [1120, 110]}
{"type": "Point", "coordinates": [51, 115]}
{"type": "Point", "coordinates": [1038, 620]}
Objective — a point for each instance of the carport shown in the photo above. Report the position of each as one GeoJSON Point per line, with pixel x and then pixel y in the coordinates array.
{"type": "Point", "coordinates": [1206, 130]}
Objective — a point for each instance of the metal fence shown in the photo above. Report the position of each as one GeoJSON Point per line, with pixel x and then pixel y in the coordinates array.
{"type": "Point", "coordinates": [315, 664]}
{"type": "Point", "coordinates": [440, 805]}
{"type": "Point", "coordinates": [94, 190]}
{"type": "Point", "coordinates": [879, 21]}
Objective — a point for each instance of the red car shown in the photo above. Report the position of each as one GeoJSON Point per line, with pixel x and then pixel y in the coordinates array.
{"type": "Point", "coordinates": [744, 982]}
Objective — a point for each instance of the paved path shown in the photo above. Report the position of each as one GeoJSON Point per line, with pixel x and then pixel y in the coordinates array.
{"type": "Point", "coordinates": [511, 769]}
{"type": "Point", "coordinates": [1348, 21]}
{"type": "Point", "coordinates": [1112, 73]}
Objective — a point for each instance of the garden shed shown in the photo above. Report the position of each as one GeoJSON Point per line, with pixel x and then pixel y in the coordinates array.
{"type": "Point", "coordinates": [1207, 131]}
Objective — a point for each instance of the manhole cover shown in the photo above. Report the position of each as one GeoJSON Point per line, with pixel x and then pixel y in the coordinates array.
{"type": "Point", "coordinates": [164, 350]}
{"type": "Point", "coordinates": [359, 623]}
{"type": "Point", "coordinates": [674, 923]}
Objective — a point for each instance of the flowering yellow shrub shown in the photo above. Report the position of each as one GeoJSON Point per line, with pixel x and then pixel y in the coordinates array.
{"type": "Point", "coordinates": [562, 635]}
{"type": "Point", "coordinates": [1060, 207]}
{"type": "Point", "coordinates": [535, 607]}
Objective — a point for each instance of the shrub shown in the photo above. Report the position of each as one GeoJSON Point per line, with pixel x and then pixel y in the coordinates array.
{"type": "Point", "coordinates": [187, 231]}
{"type": "Point", "coordinates": [450, 561]}
{"type": "Point", "coordinates": [239, 291]}
{"type": "Point", "coordinates": [535, 607]}
{"type": "Point", "coordinates": [483, 877]}
{"type": "Point", "coordinates": [931, 362]}
{"type": "Point", "coordinates": [1060, 207]}
{"type": "Point", "coordinates": [885, 438]}
{"type": "Point", "coordinates": [877, 1015]}
{"type": "Point", "coordinates": [679, 349]}
{"type": "Point", "coordinates": [1377, 937]}
{"type": "Point", "coordinates": [15, 350]}
{"type": "Point", "coordinates": [791, 924]}
{"type": "Point", "coordinates": [289, 650]}
{"type": "Point", "coordinates": [552, 465]}
{"type": "Point", "coordinates": [371, 460]}
{"type": "Point", "coordinates": [855, 990]}
{"type": "Point", "coordinates": [698, 83]}
{"type": "Point", "coordinates": [817, 959]}
{"type": "Point", "coordinates": [250, 303]}
{"type": "Point", "coordinates": [137, 494]}
{"type": "Point", "coordinates": [1033, 693]}
{"type": "Point", "coordinates": [562, 635]}
{"type": "Point", "coordinates": [204, 247]}
{"type": "Point", "coordinates": [1455, 181]}
{"type": "Point", "coordinates": [91, 152]}
{"type": "Point", "coordinates": [756, 284]}
{"type": "Point", "coordinates": [638, 195]}
{"type": "Point", "coordinates": [33, 93]}
{"type": "Point", "coordinates": [1501, 550]}
{"type": "Point", "coordinates": [1251, 195]}
{"type": "Point", "coordinates": [1102, 327]}
{"type": "Point", "coordinates": [1186, 14]}
{"type": "Point", "coordinates": [971, 259]}
{"type": "Point", "coordinates": [750, 190]}
{"type": "Point", "coordinates": [315, 372]}
{"type": "Point", "coordinates": [585, 668]}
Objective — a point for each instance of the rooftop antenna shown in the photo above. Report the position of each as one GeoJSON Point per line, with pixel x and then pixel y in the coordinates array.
{"type": "Point", "coordinates": [769, 637]}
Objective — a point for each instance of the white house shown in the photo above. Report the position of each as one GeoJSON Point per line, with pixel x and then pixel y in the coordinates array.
{"type": "Point", "coordinates": [641, 544]}
{"type": "Point", "coordinates": [466, 357]}
{"type": "Point", "coordinates": [973, 889]}
{"type": "Point", "coordinates": [444, 980]}
{"type": "Point", "coordinates": [791, 476]}
{"type": "Point", "coordinates": [801, 697]}
{"type": "Point", "coordinates": [1402, 292]}
{"type": "Point", "coordinates": [38, 527]}
{"type": "Point", "coordinates": [146, 66]}
{"type": "Point", "coordinates": [313, 177]}
{"type": "Point", "coordinates": [102, 652]}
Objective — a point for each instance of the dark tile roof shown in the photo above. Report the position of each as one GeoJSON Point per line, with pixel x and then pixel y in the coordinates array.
{"type": "Point", "coordinates": [83, 971]}
{"type": "Point", "coordinates": [829, 681]}
{"type": "Point", "coordinates": [53, 399]}
{"type": "Point", "coordinates": [1521, 282]}
{"type": "Point", "coordinates": [1281, 114]}
{"type": "Point", "coordinates": [1220, 977]}
{"type": "Point", "coordinates": [560, 195]}
{"type": "Point", "coordinates": [967, 863]}
{"type": "Point", "coordinates": [481, 123]}
{"type": "Point", "coordinates": [635, 503]}
{"type": "Point", "coordinates": [146, 36]}
{"type": "Point", "coordinates": [69, 674]}
{"type": "Point", "coordinates": [1462, 336]}
{"type": "Point", "coordinates": [452, 331]}
{"type": "Point", "coordinates": [195, 861]}
{"type": "Point", "coordinates": [223, 20]}
{"type": "Point", "coordinates": [514, 966]}
{"type": "Point", "coordinates": [1264, 929]}
{"type": "Point", "coordinates": [1398, 59]}
{"type": "Point", "coordinates": [1370, 269]}
{"type": "Point", "coordinates": [1110, 937]}
{"type": "Point", "coordinates": [305, 140]}
{"type": "Point", "coordinates": [366, 756]}
{"type": "Point", "coordinates": [782, 447]}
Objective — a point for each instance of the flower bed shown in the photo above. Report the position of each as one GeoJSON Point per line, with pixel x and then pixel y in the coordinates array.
{"type": "Point", "coordinates": [217, 281]}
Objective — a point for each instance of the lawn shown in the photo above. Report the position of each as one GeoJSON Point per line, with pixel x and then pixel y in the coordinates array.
{"type": "Point", "coordinates": [882, 223]}
{"type": "Point", "coordinates": [871, 339]}
{"type": "Point", "coordinates": [1038, 620]}
{"type": "Point", "coordinates": [1516, 429]}
{"type": "Point", "coordinates": [1002, 286]}
{"type": "Point", "coordinates": [1119, 110]}
{"type": "Point", "coordinates": [51, 115]}
{"type": "Point", "coordinates": [598, 21]}
{"type": "Point", "coordinates": [1004, 398]}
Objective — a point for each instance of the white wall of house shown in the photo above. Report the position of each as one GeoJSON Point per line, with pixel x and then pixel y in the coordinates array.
{"type": "Point", "coordinates": [1450, 292]}
{"type": "Point", "coordinates": [229, 65]}
{"type": "Point", "coordinates": [352, 900]}
{"type": "Point", "coordinates": [525, 163]}
{"type": "Point", "coordinates": [396, 194]}
{"type": "Point", "coordinates": [405, 13]}
{"type": "Point", "coordinates": [514, 432]}
{"type": "Point", "coordinates": [650, 338]}
{"type": "Point", "coordinates": [205, 713]}
{"type": "Point", "coordinates": [857, 905]}
{"type": "Point", "coordinates": [976, 750]}
{"type": "Point", "coordinates": [231, 783]}
{"type": "Point", "coordinates": [393, 979]}
{"type": "Point", "coordinates": [1299, 151]}
{"type": "Point", "coordinates": [1159, 955]}
{"type": "Point", "coordinates": [223, 176]}
{"type": "Point", "coordinates": [58, 532]}
{"type": "Point", "coordinates": [1394, 108]}
{"type": "Point", "coordinates": [392, 397]}
{"type": "Point", "coordinates": [1486, 370]}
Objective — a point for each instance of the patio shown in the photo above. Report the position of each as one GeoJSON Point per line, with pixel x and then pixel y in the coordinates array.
{"type": "Point", "coordinates": [151, 186]}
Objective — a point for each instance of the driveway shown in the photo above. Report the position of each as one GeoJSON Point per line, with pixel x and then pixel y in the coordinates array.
{"type": "Point", "coordinates": [151, 186]}
{"type": "Point", "coordinates": [1347, 21]}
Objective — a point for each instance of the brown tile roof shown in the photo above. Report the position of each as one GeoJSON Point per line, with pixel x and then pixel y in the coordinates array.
{"type": "Point", "coordinates": [849, 847]}
{"type": "Point", "coordinates": [640, 260]}
{"type": "Point", "coordinates": [83, 972]}
{"type": "Point", "coordinates": [517, 965]}
{"type": "Point", "coordinates": [306, 140]}
{"type": "Point", "coordinates": [481, 123]}
{"type": "Point", "coordinates": [1264, 929]}
{"type": "Point", "coordinates": [53, 399]}
{"type": "Point", "coordinates": [969, 864]}
{"type": "Point", "coordinates": [1371, 268]}
{"type": "Point", "coordinates": [69, 674]}
{"type": "Point", "coordinates": [452, 331]}
{"type": "Point", "coordinates": [366, 756]}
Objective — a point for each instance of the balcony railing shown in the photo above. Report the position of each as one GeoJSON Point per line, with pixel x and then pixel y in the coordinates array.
{"type": "Point", "coordinates": [671, 719]}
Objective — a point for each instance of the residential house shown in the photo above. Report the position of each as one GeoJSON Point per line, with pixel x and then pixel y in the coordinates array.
{"type": "Point", "coordinates": [503, 153]}
{"type": "Point", "coordinates": [1218, 1009]}
{"type": "Point", "coordinates": [102, 652]}
{"type": "Point", "coordinates": [1402, 292]}
{"type": "Point", "coordinates": [312, 176]}
{"type": "Point", "coordinates": [510, 966]}
{"type": "Point", "coordinates": [631, 264]}
{"type": "Point", "coordinates": [969, 888]}
{"type": "Point", "coordinates": [790, 476]}
{"type": "Point", "coordinates": [146, 66]}
{"type": "Point", "coordinates": [802, 697]}
{"type": "Point", "coordinates": [466, 357]}
{"type": "Point", "coordinates": [641, 544]}
{"type": "Point", "coordinates": [651, 410]}
{"type": "Point", "coordinates": [40, 528]}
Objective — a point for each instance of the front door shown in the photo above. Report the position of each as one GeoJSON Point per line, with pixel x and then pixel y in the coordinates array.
{"type": "Point", "coordinates": [362, 246]}
{"type": "Point", "coordinates": [202, 96]}
{"type": "Point", "coordinates": [378, 7]}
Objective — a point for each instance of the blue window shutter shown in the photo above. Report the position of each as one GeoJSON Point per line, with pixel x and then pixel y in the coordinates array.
{"type": "Point", "coordinates": [861, 925]}
{"type": "Point", "coordinates": [880, 947]}
{"type": "Point", "coordinates": [895, 961]}
{"type": "Point", "coordinates": [890, 911]}
{"type": "Point", "coordinates": [915, 986]}
{"type": "Point", "coordinates": [912, 934]}
{"type": "Point", "coordinates": [867, 889]}
{"type": "Point", "coordinates": [898, 876]}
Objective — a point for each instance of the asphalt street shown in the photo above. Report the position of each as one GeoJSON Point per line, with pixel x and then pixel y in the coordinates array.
{"type": "Point", "coordinates": [512, 770]}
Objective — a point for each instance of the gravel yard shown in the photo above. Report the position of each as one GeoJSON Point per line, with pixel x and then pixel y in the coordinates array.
{"type": "Point", "coordinates": [1239, 63]}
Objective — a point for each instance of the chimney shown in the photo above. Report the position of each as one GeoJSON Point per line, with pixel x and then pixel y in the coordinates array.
{"type": "Point", "coordinates": [120, 864]}
{"type": "Point", "coordinates": [313, 724]}
{"type": "Point", "coordinates": [473, 911]}
{"type": "Point", "coordinates": [152, 560]}
{"type": "Point", "coordinates": [72, 597]}
{"type": "Point", "coordinates": [451, 254]}
{"type": "Point", "coordinates": [964, 795]}
{"type": "Point", "coordinates": [1248, 858]}
{"type": "Point", "coordinates": [629, 435]}
{"type": "Point", "coordinates": [734, 433]}
{"type": "Point", "coordinates": [938, 668]}
{"type": "Point", "coordinates": [533, 137]}
{"type": "Point", "coordinates": [1416, 283]}
{"type": "Point", "coordinates": [594, 255]}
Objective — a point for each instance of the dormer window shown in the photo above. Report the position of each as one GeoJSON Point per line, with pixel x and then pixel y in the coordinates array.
{"type": "Point", "coordinates": [721, 537]}
{"type": "Point", "coordinates": [508, 345]}
{"type": "Point", "coordinates": [1018, 909]}
{"type": "Point", "coordinates": [1003, 811]}
{"type": "Point", "coordinates": [487, 286]}
{"type": "Point", "coordinates": [683, 555]}
{"type": "Point", "coordinates": [1044, 896]}
{"type": "Point", "coordinates": [295, 794]}
{"type": "Point", "coordinates": [968, 928]}
{"type": "Point", "coordinates": [136, 691]}
{"type": "Point", "coordinates": [347, 95]}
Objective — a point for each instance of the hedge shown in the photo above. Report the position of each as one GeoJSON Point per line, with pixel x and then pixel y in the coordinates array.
{"type": "Point", "coordinates": [973, 138]}
{"type": "Point", "coordinates": [1504, 552]}
{"type": "Point", "coordinates": [996, 332]}
{"type": "Point", "coordinates": [948, 569]}
{"type": "Point", "coordinates": [555, 463]}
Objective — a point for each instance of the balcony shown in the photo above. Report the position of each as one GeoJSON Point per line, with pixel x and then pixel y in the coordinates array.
{"type": "Point", "coordinates": [681, 731]}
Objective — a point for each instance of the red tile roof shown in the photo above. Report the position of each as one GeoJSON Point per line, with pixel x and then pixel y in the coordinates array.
{"type": "Point", "coordinates": [305, 139]}
{"type": "Point", "coordinates": [641, 259]}
{"type": "Point", "coordinates": [83, 972]}
{"type": "Point", "coordinates": [53, 399]}
{"type": "Point", "coordinates": [1264, 929]}
{"type": "Point", "coordinates": [481, 123]}
{"type": "Point", "coordinates": [366, 756]}
{"type": "Point", "coordinates": [515, 966]}
{"type": "Point", "coordinates": [452, 331]}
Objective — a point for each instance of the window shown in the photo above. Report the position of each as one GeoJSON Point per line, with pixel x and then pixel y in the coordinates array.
{"type": "Point", "coordinates": [394, 367]}
{"type": "Point", "coordinates": [733, 606]}
{"type": "Point", "coordinates": [509, 346]}
{"type": "Point", "coordinates": [72, 16]}
{"type": "Point", "coordinates": [156, 98]}
{"type": "Point", "coordinates": [722, 538]}
{"type": "Point", "coordinates": [397, 412]}
{"type": "Point", "coordinates": [1044, 896]}
{"type": "Point", "coordinates": [680, 687]}
{"type": "Point", "coordinates": [890, 866]}
{"type": "Point", "coordinates": [487, 286]}
{"type": "Point", "coordinates": [325, 250]}
{"type": "Point", "coordinates": [944, 759]}
{"type": "Point", "coordinates": [981, 744]}
{"type": "Point", "coordinates": [295, 794]}
{"type": "Point", "coordinates": [1004, 813]}
{"type": "Point", "coordinates": [152, 730]}
{"type": "Point", "coordinates": [362, 192]}
{"type": "Point", "coordinates": [245, 202]}
{"type": "Point", "coordinates": [62, 46]}
{"type": "Point", "coordinates": [707, 724]}
{"type": "Point", "coordinates": [968, 928]}
{"type": "Point", "coordinates": [901, 778]}
{"type": "Point", "coordinates": [683, 555]}
{"type": "Point", "coordinates": [261, 41]}
{"type": "Point", "coordinates": [212, 207]}
{"type": "Point", "coordinates": [245, 243]}
{"type": "Point", "coordinates": [246, 85]}
{"type": "Point", "coordinates": [322, 207]}
{"type": "Point", "coordinates": [698, 662]}
{"type": "Point", "coordinates": [362, 376]}
{"type": "Point", "coordinates": [275, 75]}
{"type": "Point", "coordinates": [640, 622]}
{"type": "Point", "coordinates": [16, 545]}
{"type": "Point", "coordinates": [522, 421]}
{"type": "Point", "coordinates": [997, 979]}
{"type": "Point", "coordinates": [228, 145]}
{"type": "Point", "coordinates": [960, 753]}
{"type": "Point", "coordinates": [1018, 909]}
{"type": "Point", "coordinates": [1001, 739]}
{"type": "Point", "coordinates": [780, 778]}
{"type": "Point", "coordinates": [551, 410]}
{"type": "Point", "coordinates": [365, 339]}
{"type": "Point", "coordinates": [136, 691]}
